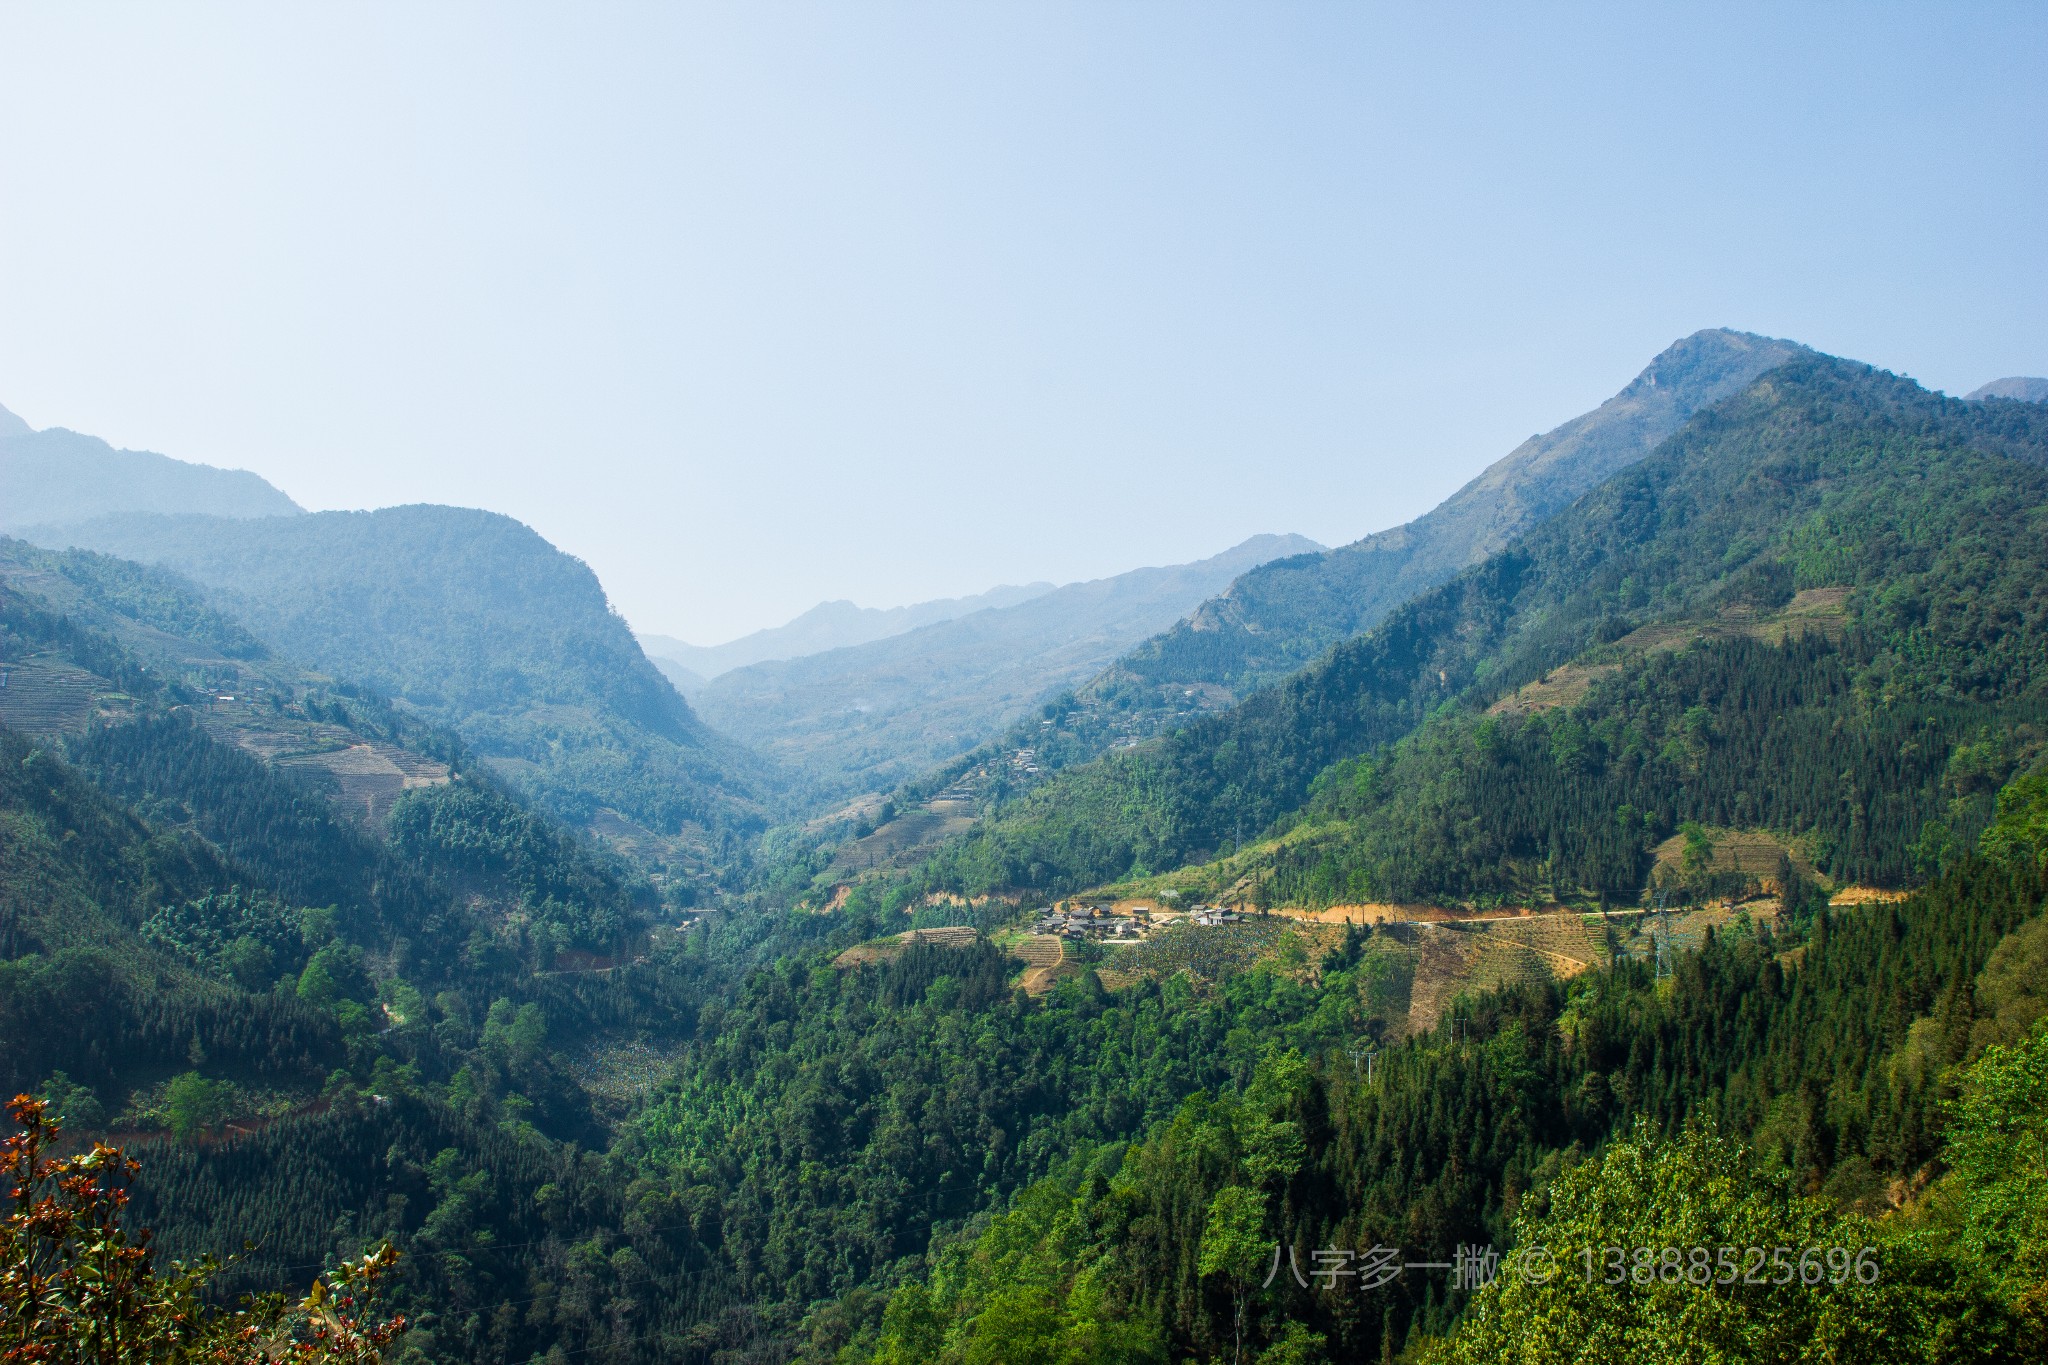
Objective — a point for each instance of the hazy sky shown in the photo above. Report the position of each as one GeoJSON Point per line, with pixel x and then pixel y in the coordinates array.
{"type": "Point", "coordinates": [754, 305]}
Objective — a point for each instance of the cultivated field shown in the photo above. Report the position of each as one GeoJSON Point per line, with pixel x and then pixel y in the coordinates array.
{"type": "Point", "coordinates": [42, 698]}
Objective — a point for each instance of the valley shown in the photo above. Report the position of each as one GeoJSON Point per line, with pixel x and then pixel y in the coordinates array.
{"type": "Point", "coordinates": [1002, 684]}
{"type": "Point", "coordinates": [365, 875]}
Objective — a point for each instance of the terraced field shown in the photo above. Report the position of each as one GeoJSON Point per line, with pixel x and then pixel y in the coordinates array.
{"type": "Point", "coordinates": [1043, 956]}
{"type": "Point", "coordinates": [1205, 951]}
{"type": "Point", "coordinates": [364, 777]}
{"type": "Point", "coordinates": [1812, 609]}
{"type": "Point", "coordinates": [1636, 934]}
{"type": "Point", "coordinates": [909, 834]}
{"type": "Point", "coordinates": [372, 776]}
{"type": "Point", "coordinates": [883, 949]}
{"type": "Point", "coordinates": [1424, 962]}
{"type": "Point", "coordinates": [1564, 686]}
{"type": "Point", "coordinates": [1568, 942]}
{"type": "Point", "coordinates": [1753, 852]}
{"type": "Point", "coordinates": [40, 698]}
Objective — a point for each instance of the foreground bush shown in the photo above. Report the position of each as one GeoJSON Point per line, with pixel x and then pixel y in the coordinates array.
{"type": "Point", "coordinates": [76, 1286]}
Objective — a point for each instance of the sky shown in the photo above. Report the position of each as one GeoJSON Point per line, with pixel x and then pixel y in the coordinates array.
{"type": "Point", "coordinates": [751, 306]}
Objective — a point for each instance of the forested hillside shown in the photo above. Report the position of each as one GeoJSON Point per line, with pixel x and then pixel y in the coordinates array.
{"type": "Point", "coordinates": [1755, 1098]}
{"type": "Point", "coordinates": [1706, 688]}
{"type": "Point", "coordinates": [325, 1022]}
{"type": "Point", "coordinates": [324, 1031]}
{"type": "Point", "coordinates": [477, 623]}
{"type": "Point", "coordinates": [1283, 615]}
{"type": "Point", "coordinates": [333, 953]}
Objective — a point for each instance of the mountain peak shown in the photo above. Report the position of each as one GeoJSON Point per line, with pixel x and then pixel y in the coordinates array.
{"type": "Point", "coordinates": [1709, 359]}
{"type": "Point", "coordinates": [2025, 388]}
{"type": "Point", "coordinates": [56, 477]}
{"type": "Point", "coordinates": [837, 624]}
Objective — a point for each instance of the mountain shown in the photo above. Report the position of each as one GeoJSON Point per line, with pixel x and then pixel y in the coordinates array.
{"type": "Point", "coordinates": [52, 477]}
{"type": "Point", "coordinates": [223, 912]}
{"type": "Point", "coordinates": [829, 625]}
{"type": "Point", "coordinates": [1281, 615]}
{"type": "Point", "coordinates": [868, 716]}
{"type": "Point", "coordinates": [684, 680]}
{"type": "Point", "coordinates": [477, 623]}
{"type": "Point", "coordinates": [2020, 388]}
{"type": "Point", "coordinates": [1792, 619]}
{"type": "Point", "coordinates": [335, 985]}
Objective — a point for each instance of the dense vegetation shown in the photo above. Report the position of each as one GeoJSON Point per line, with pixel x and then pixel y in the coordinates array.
{"type": "Point", "coordinates": [341, 1036]}
{"type": "Point", "coordinates": [191, 938]}
{"type": "Point", "coordinates": [1833, 1066]}
{"type": "Point", "coordinates": [592, 1124]}
{"type": "Point", "coordinates": [77, 1283]}
{"type": "Point", "coordinates": [1824, 475]}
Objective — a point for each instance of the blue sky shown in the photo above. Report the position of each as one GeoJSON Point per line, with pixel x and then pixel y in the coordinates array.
{"type": "Point", "coordinates": [755, 305]}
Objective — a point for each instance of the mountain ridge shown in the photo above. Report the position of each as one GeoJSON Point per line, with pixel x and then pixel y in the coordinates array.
{"type": "Point", "coordinates": [869, 716]}
{"type": "Point", "coordinates": [837, 624]}
{"type": "Point", "coordinates": [1281, 616]}
{"type": "Point", "coordinates": [55, 476]}
{"type": "Point", "coordinates": [1717, 512]}
{"type": "Point", "coordinates": [2020, 388]}
{"type": "Point", "coordinates": [1363, 580]}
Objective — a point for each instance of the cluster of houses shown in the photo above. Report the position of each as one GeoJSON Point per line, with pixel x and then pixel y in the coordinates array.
{"type": "Point", "coordinates": [1101, 921]}
{"type": "Point", "coordinates": [1090, 921]}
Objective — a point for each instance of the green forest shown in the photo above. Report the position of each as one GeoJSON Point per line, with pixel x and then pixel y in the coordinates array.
{"type": "Point", "coordinates": [317, 929]}
{"type": "Point", "coordinates": [1823, 475]}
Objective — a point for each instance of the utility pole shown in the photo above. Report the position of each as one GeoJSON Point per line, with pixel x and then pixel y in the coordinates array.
{"type": "Point", "coordinates": [1661, 935]}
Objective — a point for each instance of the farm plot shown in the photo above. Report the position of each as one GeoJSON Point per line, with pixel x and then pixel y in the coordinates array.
{"type": "Point", "coordinates": [1208, 952]}
{"type": "Point", "coordinates": [42, 698]}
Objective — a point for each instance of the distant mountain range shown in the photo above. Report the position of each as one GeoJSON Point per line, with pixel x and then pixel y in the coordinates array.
{"type": "Point", "coordinates": [482, 625]}
{"type": "Point", "coordinates": [869, 716]}
{"type": "Point", "coordinates": [336, 982]}
{"type": "Point", "coordinates": [49, 478]}
{"type": "Point", "coordinates": [829, 625]}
